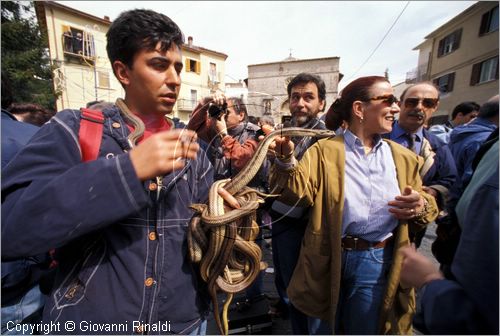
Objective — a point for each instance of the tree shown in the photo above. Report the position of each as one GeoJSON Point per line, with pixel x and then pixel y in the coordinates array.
{"type": "Point", "coordinates": [26, 67]}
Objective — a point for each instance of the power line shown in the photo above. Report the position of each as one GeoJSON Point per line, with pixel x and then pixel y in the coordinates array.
{"type": "Point", "coordinates": [378, 45]}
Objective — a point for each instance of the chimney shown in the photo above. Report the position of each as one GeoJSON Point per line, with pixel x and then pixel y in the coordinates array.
{"type": "Point", "coordinates": [106, 17]}
{"type": "Point", "coordinates": [190, 41]}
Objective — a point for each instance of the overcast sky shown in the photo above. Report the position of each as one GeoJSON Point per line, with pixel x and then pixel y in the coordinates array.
{"type": "Point", "coordinates": [253, 32]}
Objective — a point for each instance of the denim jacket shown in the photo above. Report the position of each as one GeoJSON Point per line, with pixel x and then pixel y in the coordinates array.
{"type": "Point", "coordinates": [121, 242]}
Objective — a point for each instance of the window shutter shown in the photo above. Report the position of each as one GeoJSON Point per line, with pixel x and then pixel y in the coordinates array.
{"type": "Point", "coordinates": [484, 23]}
{"type": "Point", "coordinates": [496, 71]}
{"type": "Point", "coordinates": [441, 48]}
{"type": "Point", "coordinates": [198, 70]}
{"type": "Point", "coordinates": [456, 39]}
{"type": "Point", "coordinates": [476, 72]}
{"type": "Point", "coordinates": [451, 81]}
{"type": "Point", "coordinates": [186, 63]}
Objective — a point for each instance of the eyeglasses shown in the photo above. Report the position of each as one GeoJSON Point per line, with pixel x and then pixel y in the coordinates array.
{"type": "Point", "coordinates": [388, 99]}
{"type": "Point", "coordinates": [426, 102]}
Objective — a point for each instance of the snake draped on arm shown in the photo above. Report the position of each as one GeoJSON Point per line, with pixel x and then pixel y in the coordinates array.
{"type": "Point", "coordinates": [221, 239]}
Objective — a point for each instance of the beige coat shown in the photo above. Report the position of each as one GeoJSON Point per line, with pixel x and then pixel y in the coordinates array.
{"type": "Point", "coordinates": [319, 180]}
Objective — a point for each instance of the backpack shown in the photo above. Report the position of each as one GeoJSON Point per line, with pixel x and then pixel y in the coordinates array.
{"type": "Point", "coordinates": [90, 134]}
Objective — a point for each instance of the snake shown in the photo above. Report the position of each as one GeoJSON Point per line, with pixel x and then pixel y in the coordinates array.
{"type": "Point", "coordinates": [134, 121]}
{"type": "Point", "coordinates": [221, 238]}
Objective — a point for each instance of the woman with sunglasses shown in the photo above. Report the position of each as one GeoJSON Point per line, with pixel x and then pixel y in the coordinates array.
{"type": "Point", "coordinates": [363, 193]}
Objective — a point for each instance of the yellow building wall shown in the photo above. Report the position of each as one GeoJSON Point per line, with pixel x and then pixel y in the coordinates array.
{"type": "Point", "coordinates": [78, 81]}
{"type": "Point", "coordinates": [198, 82]}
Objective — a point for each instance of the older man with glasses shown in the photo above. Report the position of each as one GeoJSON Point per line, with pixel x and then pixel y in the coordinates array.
{"type": "Point", "coordinates": [418, 103]}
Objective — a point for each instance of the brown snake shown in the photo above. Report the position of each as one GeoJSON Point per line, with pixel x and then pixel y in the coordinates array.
{"type": "Point", "coordinates": [221, 239]}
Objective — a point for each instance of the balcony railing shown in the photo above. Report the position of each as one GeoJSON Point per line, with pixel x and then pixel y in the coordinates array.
{"type": "Point", "coordinates": [185, 104]}
{"type": "Point", "coordinates": [418, 74]}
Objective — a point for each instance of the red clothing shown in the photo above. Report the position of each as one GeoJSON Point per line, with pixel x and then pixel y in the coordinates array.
{"type": "Point", "coordinates": [239, 154]}
{"type": "Point", "coordinates": [152, 126]}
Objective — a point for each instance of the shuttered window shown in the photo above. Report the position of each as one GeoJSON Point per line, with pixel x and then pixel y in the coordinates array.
{"type": "Point", "coordinates": [489, 21]}
{"type": "Point", "coordinates": [192, 65]}
{"type": "Point", "coordinates": [445, 83]}
{"type": "Point", "coordinates": [484, 71]}
{"type": "Point", "coordinates": [450, 43]}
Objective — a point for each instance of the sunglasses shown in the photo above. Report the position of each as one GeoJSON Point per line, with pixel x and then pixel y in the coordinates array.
{"type": "Point", "coordinates": [426, 102]}
{"type": "Point", "coordinates": [388, 99]}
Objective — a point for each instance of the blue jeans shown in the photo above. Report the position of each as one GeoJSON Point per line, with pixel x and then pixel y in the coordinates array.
{"type": "Point", "coordinates": [201, 329]}
{"type": "Point", "coordinates": [28, 306]}
{"type": "Point", "coordinates": [363, 283]}
{"type": "Point", "coordinates": [287, 241]}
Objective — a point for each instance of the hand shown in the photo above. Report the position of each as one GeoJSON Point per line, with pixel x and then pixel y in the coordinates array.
{"type": "Point", "coordinates": [417, 270]}
{"type": "Point", "coordinates": [282, 146]}
{"type": "Point", "coordinates": [406, 206]}
{"type": "Point", "coordinates": [220, 125]}
{"type": "Point", "coordinates": [430, 191]}
{"type": "Point", "coordinates": [217, 98]}
{"type": "Point", "coordinates": [163, 152]}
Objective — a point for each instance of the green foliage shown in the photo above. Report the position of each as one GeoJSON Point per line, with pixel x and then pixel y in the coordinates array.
{"type": "Point", "coordinates": [25, 58]}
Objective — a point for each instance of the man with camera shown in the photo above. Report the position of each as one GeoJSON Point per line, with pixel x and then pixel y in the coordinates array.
{"type": "Point", "coordinates": [232, 140]}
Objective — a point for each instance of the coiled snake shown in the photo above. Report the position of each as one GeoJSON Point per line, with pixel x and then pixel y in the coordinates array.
{"type": "Point", "coordinates": [221, 238]}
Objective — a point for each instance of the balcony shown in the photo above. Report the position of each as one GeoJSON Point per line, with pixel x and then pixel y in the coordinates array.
{"type": "Point", "coordinates": [418, 74]}
{"type": "Point", "coordinates": [79, 46]}
{"type": "Point", "coordinates": [185, 104]}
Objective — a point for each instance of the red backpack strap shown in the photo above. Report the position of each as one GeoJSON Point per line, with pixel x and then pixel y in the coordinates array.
{"type": "Point", "coordinates": [90, 135]}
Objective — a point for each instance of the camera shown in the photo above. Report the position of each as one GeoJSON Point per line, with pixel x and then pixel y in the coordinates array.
{"type": "Point", "coordinates": [215, 111]}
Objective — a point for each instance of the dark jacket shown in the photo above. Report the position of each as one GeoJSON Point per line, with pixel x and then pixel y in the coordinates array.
{"type": "Point", "coordinates": [442, 173]}
{"type": "Point", "coordinates": [469, 303]}
{"type": "Point", "coordinates": [465, 141]}
{"type": "Point", "coordinates": [122, 243]}
{"type": "Point", "coordinates": [18, 275]}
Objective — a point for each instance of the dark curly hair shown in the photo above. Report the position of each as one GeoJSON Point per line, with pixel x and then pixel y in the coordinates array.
{"type": "Point", "coordinates": [140, 29]}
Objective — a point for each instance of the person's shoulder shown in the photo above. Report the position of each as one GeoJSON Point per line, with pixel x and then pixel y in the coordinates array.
{"type": "Point", "coordinates": [252, 127]}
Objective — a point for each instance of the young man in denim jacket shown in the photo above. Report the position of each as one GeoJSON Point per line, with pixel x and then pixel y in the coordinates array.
{"type": "Point", "coordinates": [119, 222]}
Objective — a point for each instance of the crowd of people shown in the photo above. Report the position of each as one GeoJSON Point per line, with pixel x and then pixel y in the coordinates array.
{"type": "Point", "coordinates": [105, 241]}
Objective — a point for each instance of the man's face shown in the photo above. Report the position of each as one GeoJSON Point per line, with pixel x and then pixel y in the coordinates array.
{"type": "Point", "coordinates": [153, 83]}
{"type": "Point", "coordinates": [305, 103]}
{"type": "Point", "coordinates": [417, 106]}
{"type": "Point", "coordinates": [233, 118]}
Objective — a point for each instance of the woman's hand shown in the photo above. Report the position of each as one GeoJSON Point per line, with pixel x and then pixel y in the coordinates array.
{"type": "Point", "coordinates": [408, 205]}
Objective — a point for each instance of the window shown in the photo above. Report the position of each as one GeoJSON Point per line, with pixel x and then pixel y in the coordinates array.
{"type": "Point", "coordinates": [450, 43]}
{"type": "Point", "coordinates": [192, 65]}
{"type": "Point", "coordinates": [78, 42]}
{"type": "Point", "coordinates": [489, 21]}
{"type": "Point", "coordinates": [267, 106]}
{"type": "Point", "coordinates": [194, 97]}
{"type": "Point", "coordinates": [484, 71]}
{"type": "Point", "coordinates": [103, 79]}
{"type": "Point", "coordinates": [445, 83]}
{"type": "Point", "coordinates": [212, 74]}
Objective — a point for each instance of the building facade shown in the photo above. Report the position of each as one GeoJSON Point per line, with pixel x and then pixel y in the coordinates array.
{"type": "Point", "coordinates": [461, 58]}
{"type": "Point", "coordinates": [83, 73]}
{"type": "Point", "coordinates": [203, 74]}
{"type": "Point", "coordinates": [267, 83]}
